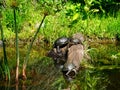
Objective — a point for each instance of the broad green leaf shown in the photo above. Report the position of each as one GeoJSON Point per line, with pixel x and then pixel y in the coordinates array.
{"type": "Point", "coordinates": [75, 16]}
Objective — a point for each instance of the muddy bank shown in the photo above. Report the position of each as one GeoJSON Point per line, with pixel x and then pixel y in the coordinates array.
{"type": "Point", "coordinates": [39, 41]}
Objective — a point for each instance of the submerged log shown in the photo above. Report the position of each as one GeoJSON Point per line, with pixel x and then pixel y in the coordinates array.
{"type": "Point", "coordinates": [75, 56]}
{"type": "Point", "coordinates": [67, 50]}
{"type": "Point", "coordinates": [69, 57]}
{"type": "Point", "coordinates": [72, 65]}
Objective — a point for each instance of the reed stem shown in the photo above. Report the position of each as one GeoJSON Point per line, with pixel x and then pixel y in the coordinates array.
{"type": "Point", "coordinates": [30, 47]}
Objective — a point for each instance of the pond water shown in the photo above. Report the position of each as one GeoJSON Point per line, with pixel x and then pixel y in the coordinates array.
{"type": "Point", "coordinates": [103, 73]}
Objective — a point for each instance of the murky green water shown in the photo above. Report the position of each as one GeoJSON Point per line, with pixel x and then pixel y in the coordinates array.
{"type": "Point", "coordinates": [102, 73]}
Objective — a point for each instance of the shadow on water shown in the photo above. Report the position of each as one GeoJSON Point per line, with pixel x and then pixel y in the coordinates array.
{"type": "Point", "coordinates": [43, 76]}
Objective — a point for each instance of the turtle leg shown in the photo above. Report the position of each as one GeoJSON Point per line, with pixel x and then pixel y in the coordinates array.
{"type": "Point", "coordinates": [58, 49]}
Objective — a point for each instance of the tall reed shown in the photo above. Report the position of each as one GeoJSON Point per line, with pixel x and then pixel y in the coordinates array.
{"type": "Point", "coordinates": [30, 47]}
{"type": "Point", "coordinates": [17, 47]}
{"type": "Point", "coordinates": [5, 61]}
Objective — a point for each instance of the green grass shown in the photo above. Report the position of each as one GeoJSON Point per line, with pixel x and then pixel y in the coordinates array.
{"type": "Point", "coordinates": [60, 25]}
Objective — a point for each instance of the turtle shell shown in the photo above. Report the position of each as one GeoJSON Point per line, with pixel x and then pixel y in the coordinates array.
{"type": "Point", "coordinates": [61, 42]}
{"type": "Point", "coordinates": [75, 41]}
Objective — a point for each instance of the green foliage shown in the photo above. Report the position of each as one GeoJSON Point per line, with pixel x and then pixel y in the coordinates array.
{"type": "Point", "coordinates": [93, 80]}
{"type": "Point", "coordinates": [114, 27]}
{"type": "Point", "coordinates": [4, 66]}
{"type": "Point", "coordinates": [49, 7]}
{"type": "Point", "coordinates": [73, 12]}
{"type": "Point", "coordinates": [60, 83]}
{"type": "Point", "coordinates": [69, 18]}
{"type": "Point", "coordinates": [103, 6]}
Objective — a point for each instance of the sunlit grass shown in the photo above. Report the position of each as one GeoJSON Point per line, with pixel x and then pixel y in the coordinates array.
{"type": "Point", "coordinates": [59, 25]}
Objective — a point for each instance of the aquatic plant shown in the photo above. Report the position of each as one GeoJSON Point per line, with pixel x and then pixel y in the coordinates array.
{"type": "Point", "coordinates": [30, 47]}
{"type": "Point", "coordinates": [4, 67]}
{"type": "Point", "coordinates": [14, 6]}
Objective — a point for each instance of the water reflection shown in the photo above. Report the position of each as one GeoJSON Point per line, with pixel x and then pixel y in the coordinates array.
{"type": "Point", "coordinates": [43, 76]}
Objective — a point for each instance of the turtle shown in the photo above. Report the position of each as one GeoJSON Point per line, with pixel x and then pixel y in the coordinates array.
{"type": "Point", "coordinates": [60, 43]}
{"type": "Point", "coordinates": [75, 41]}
